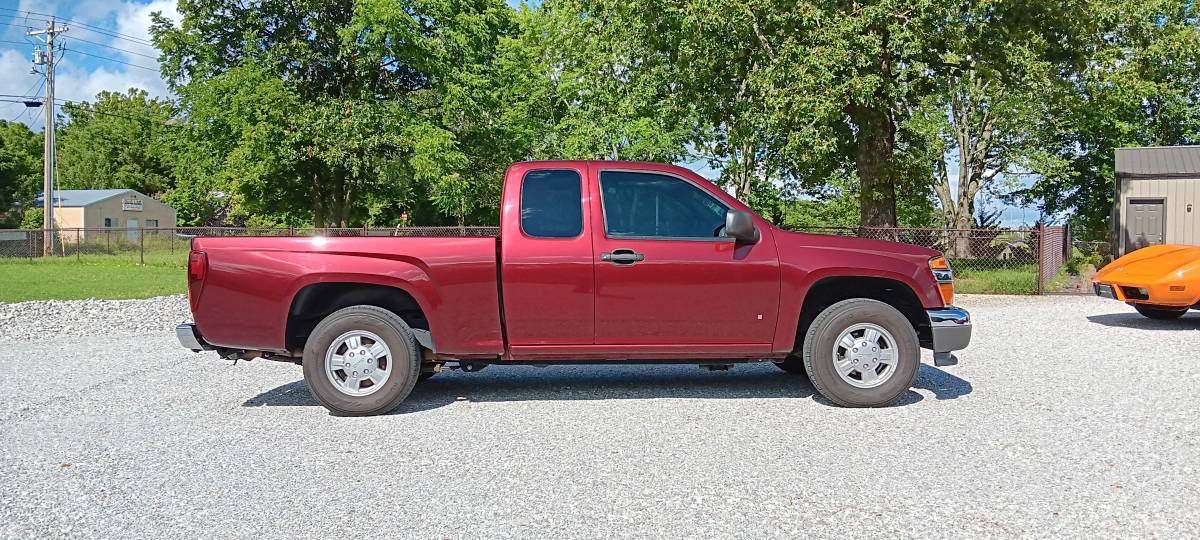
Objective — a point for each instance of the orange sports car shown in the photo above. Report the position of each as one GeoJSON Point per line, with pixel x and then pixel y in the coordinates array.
{"type": "Point", "coordinates": [1161, 282]}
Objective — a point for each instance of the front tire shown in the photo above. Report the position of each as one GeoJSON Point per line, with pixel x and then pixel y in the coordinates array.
{"type": "Point", "coordinates": [861, 353]}
{"type": "Point", "coordinates": [361, 361]}
{"type": "Point", "coordinates": [1159, 314]}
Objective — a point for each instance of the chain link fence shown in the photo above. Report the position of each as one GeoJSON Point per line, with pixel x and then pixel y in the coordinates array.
{"type": "Point", "coordinates": [1011, 261]}
{"type": "Point", "coordinates": [170, 246]}
{"type": "Point", "coordinates": [994, 260]}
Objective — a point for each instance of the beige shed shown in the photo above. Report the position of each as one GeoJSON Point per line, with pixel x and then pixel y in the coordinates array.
{"type": "Point", "coordinates": [1157, 197]}
{"type": "Point", "coordinates": [108, 209]}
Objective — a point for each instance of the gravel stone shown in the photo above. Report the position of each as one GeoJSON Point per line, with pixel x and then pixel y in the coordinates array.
{"type": "Point", "coordinates": [1067, 417]}
{"type": "Point", "coordinates": [24, 321]}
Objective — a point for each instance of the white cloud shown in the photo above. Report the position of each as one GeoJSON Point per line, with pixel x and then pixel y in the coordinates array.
{"type": "Point", "coordinates": [134, 20]}
{"type": "Point", "coordinates": [17, 81]}
{"type": "Point", "coordinates": [78, 76]}
{"type": "Point", "coordinates": [129, 19]}
{"type": "Point", "coordinates": [76, 83]}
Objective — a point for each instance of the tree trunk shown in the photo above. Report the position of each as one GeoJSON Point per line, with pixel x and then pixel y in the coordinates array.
{"type": "Point", "coordinates": [743, 181]}
{"type": "Point", "coordinates": [972, 126]}
{"type": "Point", "coordinates": [958, 211]}
{"type": "Point", "coordinates": [318, 203]}
{"type": "Point", "coordinates": [876, 150]}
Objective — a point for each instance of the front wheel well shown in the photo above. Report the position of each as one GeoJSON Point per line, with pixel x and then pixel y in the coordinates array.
{"type": "Point", "coordinates": [315, 302]}
{"type": "Point", "coordinates": [831, 290]}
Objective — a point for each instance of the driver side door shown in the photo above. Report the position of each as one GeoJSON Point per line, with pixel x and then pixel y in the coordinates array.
{"type": "Point", "coordinates": [664, 275]}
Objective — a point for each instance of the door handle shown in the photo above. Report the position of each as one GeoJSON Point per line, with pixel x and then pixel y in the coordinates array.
{"type": "Point", "coordinates": [622, 256]}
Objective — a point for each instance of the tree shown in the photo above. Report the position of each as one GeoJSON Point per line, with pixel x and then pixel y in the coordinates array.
{"type": "Point", "coordinates": [582, 80]}
{"type": "Point", "coordinates": [20, 170]}
{"type": "Point", "coordinates": [844, 79]}
{"type": "Point", "coordinates": [1138, 85]}
{"type": "Point", "coordinates": [989, 116]}
{"type": "Point", "coordinates": [795, 94]}
{"type": "Point", "coordinates": [121, 140]}
{"type": "Point", "coordinates": [330, 108]}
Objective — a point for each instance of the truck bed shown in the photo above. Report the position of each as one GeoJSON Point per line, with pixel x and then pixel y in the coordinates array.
{"type": "Point", "coordinates": [247, 294]}
{"type": "Point", "coordinates": [274, 232]}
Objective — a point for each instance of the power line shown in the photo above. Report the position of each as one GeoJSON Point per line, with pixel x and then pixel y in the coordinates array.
{"type": "Point", "coordinates": [91, 27]}
{"type": "Point", "coordinates": [112, 60]}
{"type": "Point", "coordinates": [32, 111]}
{"type": "Point", "coordinates": [18, 18]}
{"type": "Point", "coordinates": [93, 110]}
{"type": "Point", "coordinates": [135, 42]}
{"type": "Point", "coordinates": [39, 84]}
{"type": "Point", "coordinates": [22, 113]}
{"type": "Point", "coordinates": [127, 51]}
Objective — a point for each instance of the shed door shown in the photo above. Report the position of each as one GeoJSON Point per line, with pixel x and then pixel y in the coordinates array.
{"type": "Point", "coordinates": [1144, 226]}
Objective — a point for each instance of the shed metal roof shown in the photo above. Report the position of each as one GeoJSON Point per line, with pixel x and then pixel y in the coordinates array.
{"type": "Point", "coordinates": [1159, 161]}
{"type": "Point", "coordinates": [69, 198]}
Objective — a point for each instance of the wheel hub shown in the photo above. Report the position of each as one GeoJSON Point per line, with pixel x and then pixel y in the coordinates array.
{"type": "Point", "coordinates": [865, 355]}
{"type": "Point", "coordinates": [358, 363]}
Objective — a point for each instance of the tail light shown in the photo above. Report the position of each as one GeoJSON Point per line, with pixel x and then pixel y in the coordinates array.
{"type": "Point", "coordinates": [197, 269]}
{"type": "Point", "coordinates": [944, 277]}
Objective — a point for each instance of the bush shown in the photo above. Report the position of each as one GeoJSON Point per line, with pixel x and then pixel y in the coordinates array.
{"type": "Point", "coordinates": [1079, 261]}
{"type": "Point", "coordinates": [32, 219]}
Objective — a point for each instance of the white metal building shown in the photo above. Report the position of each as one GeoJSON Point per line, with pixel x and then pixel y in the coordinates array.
{"type": "Point", "coordinates": [1157, 197]}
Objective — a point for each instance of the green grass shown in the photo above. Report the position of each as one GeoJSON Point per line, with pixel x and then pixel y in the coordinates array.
{"type": "Point", "coordinates": [119, 276]}
{"type": "Point", "coordinates": [1013, 280]}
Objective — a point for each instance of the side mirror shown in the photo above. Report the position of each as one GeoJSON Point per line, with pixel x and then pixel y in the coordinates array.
{"type": "Point", "coordinates": [739, 225]}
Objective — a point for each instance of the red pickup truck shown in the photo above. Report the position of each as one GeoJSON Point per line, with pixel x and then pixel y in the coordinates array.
{"type": "Point", "coordinates": [595, 262]}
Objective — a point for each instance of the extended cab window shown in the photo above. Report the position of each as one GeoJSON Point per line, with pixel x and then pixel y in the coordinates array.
{"type": "Point", "coordinates": [638, 204]}
{"type": "Point", "coordinates": [552, 204]}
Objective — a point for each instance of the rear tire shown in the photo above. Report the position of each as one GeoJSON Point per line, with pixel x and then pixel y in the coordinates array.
{"type": "Point", "coordinates": [861, 353]}
{"type": "Point", "coordinates": [1159, 314]}
{"type": "Point", "coordinates": [402, 361]}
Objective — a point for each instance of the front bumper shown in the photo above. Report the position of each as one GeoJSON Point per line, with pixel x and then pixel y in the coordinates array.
{"type": "Point", "coordinates": [1104, 290]}
{"type": "Point", "coordinates": [190, 338]}
{"type": "Point", "coordinates": [950, 329]}
{"type": "Point", "coordinates": [1166, 294]}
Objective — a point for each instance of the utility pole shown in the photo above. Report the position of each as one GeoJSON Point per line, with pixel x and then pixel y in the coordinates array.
{"type": "Point", "coordinates": [48, 146]}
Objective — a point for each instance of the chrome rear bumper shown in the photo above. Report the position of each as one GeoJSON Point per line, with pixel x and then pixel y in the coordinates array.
{"type": "Point", "coordinates": [951, 331]}
{"type": "Point", "coordinates": [190, 338]}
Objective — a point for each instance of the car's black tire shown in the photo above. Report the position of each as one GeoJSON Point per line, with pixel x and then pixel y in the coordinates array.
{"type": "Point", "coordinates": [794, 365]}
{"type": "Point", "coordinates": [404, 358]}
{"type": "Point", "coordinates": [818, 352]}
{"type": "Point", "coordinates": [1158, 313]}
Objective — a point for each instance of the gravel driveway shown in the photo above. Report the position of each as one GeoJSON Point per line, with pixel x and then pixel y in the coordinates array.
{"type": "Point", "coordinates": [1069, 416]}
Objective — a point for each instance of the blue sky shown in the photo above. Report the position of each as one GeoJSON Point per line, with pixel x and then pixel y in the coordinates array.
{"type": "Point", "coordinates": [107, 48]}
{"type": "Point", "coordinates": [110, 53]}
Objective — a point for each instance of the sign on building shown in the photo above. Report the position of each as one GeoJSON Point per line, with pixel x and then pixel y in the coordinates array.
{"type": "Point", "coordinates": [131, 204]}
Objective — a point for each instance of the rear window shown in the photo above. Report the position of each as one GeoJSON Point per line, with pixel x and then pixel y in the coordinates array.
{"type": "Point", "coordinates": [552, 204]}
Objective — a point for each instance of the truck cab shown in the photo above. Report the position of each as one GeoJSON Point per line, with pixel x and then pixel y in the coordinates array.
{"type": "Point", "coordinates": [595, 261]}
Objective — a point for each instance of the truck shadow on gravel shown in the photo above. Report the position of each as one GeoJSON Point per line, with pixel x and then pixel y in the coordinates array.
{"type": "Point", "coordinates": [521, 383]}
{"type": "Point", "coordinates": [1191, 321]}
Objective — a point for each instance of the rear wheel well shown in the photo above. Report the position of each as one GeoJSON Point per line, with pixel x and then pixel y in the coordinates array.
{"type": "Point", "coordinates": [315, 302]}
{"type": "Point", "coordinates": [831, 290]}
